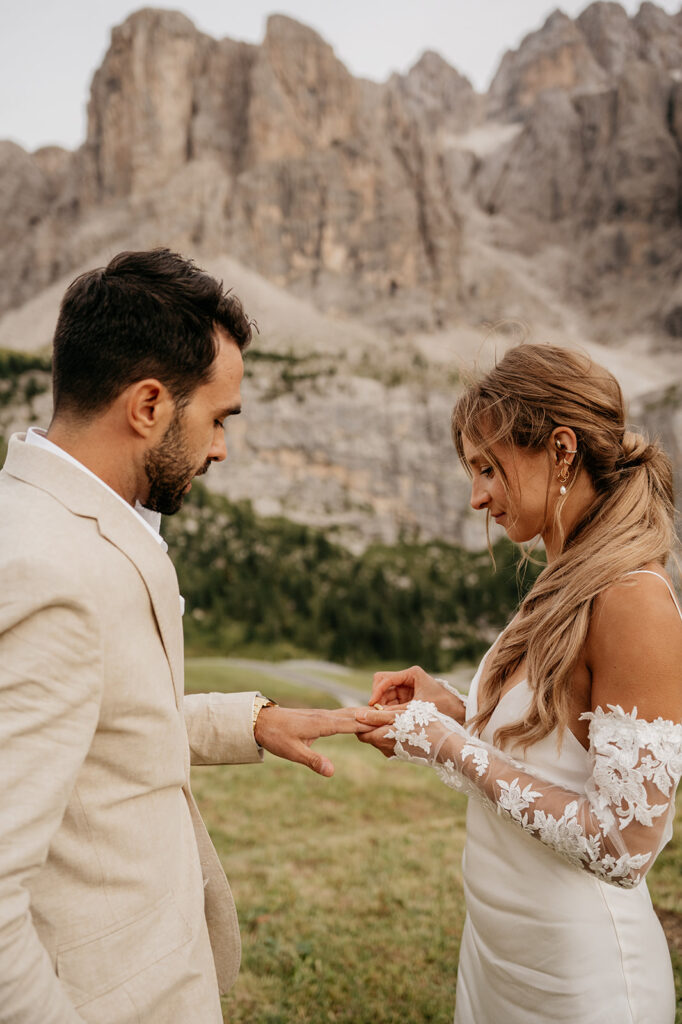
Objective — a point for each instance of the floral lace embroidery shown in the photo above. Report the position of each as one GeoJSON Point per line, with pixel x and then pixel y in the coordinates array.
{"type": "Point", "coordinates": [627, 752]}
{"type": "Point", "coordinates": [448, 774]}
{"type": "Point", "coordinates": [478, 754]}
{"type": "Point", "coordinates": [453, 690]}
{"type": "Point", "coordinates": [620, 770]}
{"type": "Point", "coordinates": [417, 713]}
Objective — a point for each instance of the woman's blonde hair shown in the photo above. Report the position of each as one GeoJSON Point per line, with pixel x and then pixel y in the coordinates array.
{"type": "Point", "coordinates": [530, 392]}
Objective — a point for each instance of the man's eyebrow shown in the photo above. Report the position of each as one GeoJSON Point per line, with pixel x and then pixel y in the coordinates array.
{"type": "Point", "coordinates": [232, 410]}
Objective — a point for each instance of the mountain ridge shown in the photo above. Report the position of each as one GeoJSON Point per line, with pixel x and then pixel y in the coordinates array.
{"type": "Point", "coordinates": [376, 232]}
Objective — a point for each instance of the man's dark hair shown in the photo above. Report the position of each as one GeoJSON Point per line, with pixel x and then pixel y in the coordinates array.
{"type": "Point", "coordinates": [146, 314]}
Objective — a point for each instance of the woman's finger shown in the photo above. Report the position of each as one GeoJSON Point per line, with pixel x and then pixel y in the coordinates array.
{"type": "Point", "coordinates": [404, 680]}
{"type": "Point", "coordinates": [377, 718]}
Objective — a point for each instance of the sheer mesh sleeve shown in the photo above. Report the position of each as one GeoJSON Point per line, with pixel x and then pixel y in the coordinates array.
{"type": "Point", "coordinates": [462, 697]}
{"type": "Point", "coordinates": [614, 829]}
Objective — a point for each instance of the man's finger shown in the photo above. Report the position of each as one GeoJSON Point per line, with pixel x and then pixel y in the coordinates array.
{"type": "Point", "coordinates": [376, 719]}
{"type": "Point", "coordinates": [299, 751]}
{"type": "Point", "coordinates": [318, 763]}
{"type": "Point", "coordinates": [342, 721]}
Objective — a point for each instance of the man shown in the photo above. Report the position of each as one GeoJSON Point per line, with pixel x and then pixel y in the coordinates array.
{"type": "Point", "coordinates": [113, 905]}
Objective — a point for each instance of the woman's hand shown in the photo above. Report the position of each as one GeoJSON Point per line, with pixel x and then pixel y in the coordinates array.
{"type": "Point", "coordinates": [378, 724]}
{"type": "Point", "coordinates": [397, 688]}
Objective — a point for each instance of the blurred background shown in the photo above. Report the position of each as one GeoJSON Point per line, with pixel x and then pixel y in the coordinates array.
{"type": "Point", "coordinates": [396, 193]}
{"type": "Point", "coordinates": [377, 224]}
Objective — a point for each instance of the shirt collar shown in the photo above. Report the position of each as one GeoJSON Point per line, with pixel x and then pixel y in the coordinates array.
{"type": "Point", "coordinates": [151, 520]}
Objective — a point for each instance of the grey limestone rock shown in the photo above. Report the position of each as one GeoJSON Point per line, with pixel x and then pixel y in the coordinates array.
{"type": "Point", "coordinates": [375, 200]}
{"type": "Point", "coordinates": [386, 213]}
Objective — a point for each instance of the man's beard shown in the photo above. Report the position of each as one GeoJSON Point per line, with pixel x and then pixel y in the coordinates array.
{"type": "Point", "coordinates": [169, 470]}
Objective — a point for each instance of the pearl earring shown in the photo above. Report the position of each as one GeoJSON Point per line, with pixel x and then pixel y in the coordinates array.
{"type": "Point", "coordinates": [564, 473]}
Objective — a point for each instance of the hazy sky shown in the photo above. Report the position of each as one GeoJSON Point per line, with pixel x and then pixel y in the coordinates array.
{"type": "Point", "coordinates": [49, 50]}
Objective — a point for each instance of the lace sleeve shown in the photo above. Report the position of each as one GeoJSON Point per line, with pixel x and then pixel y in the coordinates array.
{"type": "Point", "coordinates": [614, 829]}
{"type": "Point", "coordinates": [462, 697]}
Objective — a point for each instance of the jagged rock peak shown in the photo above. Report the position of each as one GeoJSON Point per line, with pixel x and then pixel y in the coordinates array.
{"type": "Point", "coordinates": [583, 55]}
{"type": "Point", "coordinates": [433, 63]}
{"type": "Point", "coordinates": [396, 201]}
{"type": "Point", "coordinates": [660, 36]}
{"type": "Point", "coordinates": [172, 22]}
{"type": "Point", "coordinates": [555, 56]}
{"type": "Point", "coordinates": [296, 49]}
{"type": "Point", "coordinates": [135, 145]}
{"type": "Point", "coordinates": [438, 92]}
{"type": "Point", "coordinates": [610, 35]}
{"type": "Point", "coordinates": [433, 73]}
{"type": "Point", "coordinates": [282, 28]}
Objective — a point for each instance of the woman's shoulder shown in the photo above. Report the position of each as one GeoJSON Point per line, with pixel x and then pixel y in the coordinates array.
{"type": "Point", "coordinates": [647, 592]}
{"type": "Point", "coordinates": [634, 644]}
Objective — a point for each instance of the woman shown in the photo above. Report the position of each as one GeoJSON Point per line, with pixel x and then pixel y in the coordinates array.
{"type": "Point", "coordinates": [570, 742]}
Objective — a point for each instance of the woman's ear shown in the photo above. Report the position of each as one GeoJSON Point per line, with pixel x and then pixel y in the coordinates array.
{"type": "Point", "coordinates": [563, 445]}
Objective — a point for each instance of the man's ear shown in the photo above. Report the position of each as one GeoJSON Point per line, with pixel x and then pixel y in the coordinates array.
{"type": "Point", "coordinates": [149, 407]}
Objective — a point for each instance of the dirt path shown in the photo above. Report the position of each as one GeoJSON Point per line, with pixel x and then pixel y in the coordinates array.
{"type": "Point", "coordinates": [319, 676]}
{"type": "Point", "coordinates": [306, 673]}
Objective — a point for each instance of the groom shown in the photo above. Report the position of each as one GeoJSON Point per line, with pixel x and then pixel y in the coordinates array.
{"type": "Point", "coordinates": [114, 908]}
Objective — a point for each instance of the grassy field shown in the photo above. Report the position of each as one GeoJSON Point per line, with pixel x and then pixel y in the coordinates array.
{"type": "Point", "coordinates": [205, 674]}
{"type": "Point", "coordinates": [348, 889]}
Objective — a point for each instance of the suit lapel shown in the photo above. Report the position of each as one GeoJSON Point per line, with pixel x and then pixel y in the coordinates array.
{"type": "Point", "coordinates": [156, 569]}
{"type": "Point", "coordinates": [85, 496]}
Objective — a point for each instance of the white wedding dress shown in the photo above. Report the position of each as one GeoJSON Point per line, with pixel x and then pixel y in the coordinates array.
{"type": "Point", "coordinates": [560, 927]}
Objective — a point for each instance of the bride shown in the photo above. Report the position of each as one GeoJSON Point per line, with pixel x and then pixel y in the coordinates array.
{"type": "Point", "coordinates": [569, 743]}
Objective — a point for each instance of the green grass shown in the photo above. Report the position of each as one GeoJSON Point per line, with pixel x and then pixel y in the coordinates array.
{"type": "Point", "coordinates": [349, 890]}
{"type": "Point", "coordinates": [203, 674]}
{"type": "Point", "coordinates": [359, 679]}
{"type": "Point", "coordinates": [23, 376]}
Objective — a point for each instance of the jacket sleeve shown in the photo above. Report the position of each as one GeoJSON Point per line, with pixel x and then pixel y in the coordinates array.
{"type": "Point", "coordinates": [614, 829]}
{"type": "Point", "coordinates": [220, 728]}
{"type": "Point", "coordinates": [50, 691]}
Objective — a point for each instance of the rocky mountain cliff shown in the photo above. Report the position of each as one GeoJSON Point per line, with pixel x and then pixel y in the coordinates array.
{"type": "Point", "coordinates": [389, 201]}
{"type": "Point", "coordinates": [372, 229]}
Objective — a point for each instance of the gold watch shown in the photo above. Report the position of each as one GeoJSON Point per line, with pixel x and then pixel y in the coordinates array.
{"type": "Point", "coordinates": [260, 702]}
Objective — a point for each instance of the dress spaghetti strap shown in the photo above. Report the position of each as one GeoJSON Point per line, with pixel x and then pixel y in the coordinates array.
{"type": "Point", "coordinates": [650, 572]}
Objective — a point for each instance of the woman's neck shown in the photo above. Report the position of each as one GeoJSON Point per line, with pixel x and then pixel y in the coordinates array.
{"type": "Point", "coordinates": [580, 497]}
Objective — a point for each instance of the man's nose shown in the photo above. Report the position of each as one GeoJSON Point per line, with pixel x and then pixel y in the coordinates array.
{"type": "Point", "coordinates": [218, 450]}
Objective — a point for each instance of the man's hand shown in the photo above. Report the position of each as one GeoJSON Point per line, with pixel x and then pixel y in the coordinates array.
{"type": "Point", "coordinates": [289, 732]}
{"type": "Point", "coordinates": [397, 688]}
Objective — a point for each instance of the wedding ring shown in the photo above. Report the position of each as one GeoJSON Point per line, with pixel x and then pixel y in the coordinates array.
{"type": "Point", "coordinates": [378, 707]}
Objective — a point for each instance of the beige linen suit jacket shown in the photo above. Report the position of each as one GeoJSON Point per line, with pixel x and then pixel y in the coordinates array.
{"type": "Point", "coordinates": [114, 908]}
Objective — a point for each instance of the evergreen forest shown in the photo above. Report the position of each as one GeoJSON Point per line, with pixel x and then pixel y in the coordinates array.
{"type": "Point", "coordinates": [267, 586]}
